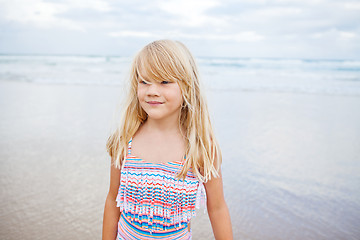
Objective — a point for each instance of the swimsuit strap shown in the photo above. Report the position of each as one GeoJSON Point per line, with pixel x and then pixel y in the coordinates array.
{"type": "Point", "coordinates": [129, 152]}
{"type": "Point", "coordinates": [129, 147]}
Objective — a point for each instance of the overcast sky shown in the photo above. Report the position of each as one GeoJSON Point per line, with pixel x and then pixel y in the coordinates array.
{"type": "Point", "coordinates": [319, 29]}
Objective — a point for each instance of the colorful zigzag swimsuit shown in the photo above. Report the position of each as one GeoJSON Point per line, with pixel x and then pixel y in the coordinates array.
{"type": "Point", "coordinates": [154, 204]}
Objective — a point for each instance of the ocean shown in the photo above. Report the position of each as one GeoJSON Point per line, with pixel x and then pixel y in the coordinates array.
{"type": "Point", "coordinates": [338, 77]}
{"type": "Point", "coordinates": [289, 131]}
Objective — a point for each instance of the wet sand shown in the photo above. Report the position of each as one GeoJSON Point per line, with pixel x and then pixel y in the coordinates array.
{"type": "Point", "coordinates": [290, 167]}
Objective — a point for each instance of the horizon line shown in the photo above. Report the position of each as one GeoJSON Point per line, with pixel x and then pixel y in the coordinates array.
{"type": "Point", "coordinates": [220, 57]}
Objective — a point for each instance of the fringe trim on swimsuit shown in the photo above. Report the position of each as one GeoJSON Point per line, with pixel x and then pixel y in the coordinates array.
{"type": "Point", "coordinates": [154, 198]}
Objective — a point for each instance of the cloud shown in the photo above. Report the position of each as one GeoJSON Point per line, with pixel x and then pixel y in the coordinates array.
{"type": "Point", "coordinates": [347, 35]}
{"type": "Point", "coordinates": [44, 14]}
{"type": "Point", "coordinates": [273, 27]}
{"type": "Point", "coordinates": [237, 37]}
{"type": "Point", "coordinates": [335, 34]}
{"type": "Point", "coordinates": [277, 12]}
{"type": "Point", "coordinates": [352, 5]}
{"type": "Point", "coordinates": [190, 13]}
{"type": "Point", "coordinates": [137, 34]}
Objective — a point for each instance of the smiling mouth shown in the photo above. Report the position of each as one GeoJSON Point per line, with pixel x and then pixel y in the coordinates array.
{"type": "Point", "coordinates": [154, 103]}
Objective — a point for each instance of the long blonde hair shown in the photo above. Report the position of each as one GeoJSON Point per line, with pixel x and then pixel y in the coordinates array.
{"type": "Point", "coordinates": [171, 60]}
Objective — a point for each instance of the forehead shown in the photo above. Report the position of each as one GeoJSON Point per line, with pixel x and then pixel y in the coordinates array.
{"type": "Point", "coordinates": [149, 70]}
{"type": "Point", "coordinates": [148, 76]}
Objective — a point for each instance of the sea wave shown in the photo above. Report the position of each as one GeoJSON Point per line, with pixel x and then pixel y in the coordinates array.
{"type": "Point", "coordinates": [339, 77]}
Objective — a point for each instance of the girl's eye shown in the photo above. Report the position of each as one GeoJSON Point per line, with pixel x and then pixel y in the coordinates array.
{"type": "Point", "coordinates": [143, 82]}
{"type": "Point", "coordinates": [165, 82]}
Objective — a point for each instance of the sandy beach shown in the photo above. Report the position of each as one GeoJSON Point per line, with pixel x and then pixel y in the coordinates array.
{"type": "Point", "coordinates": [290, 162]}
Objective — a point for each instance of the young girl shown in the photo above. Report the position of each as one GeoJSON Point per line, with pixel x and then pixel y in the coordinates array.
{"type": "Point", "coordinates": [165, 157]}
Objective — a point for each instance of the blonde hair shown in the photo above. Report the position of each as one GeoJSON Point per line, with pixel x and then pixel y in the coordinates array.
{"type": "Point", "coordinates": [171, 61]}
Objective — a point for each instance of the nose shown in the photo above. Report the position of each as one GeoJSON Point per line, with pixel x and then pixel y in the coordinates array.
{"type": "Point", "coordinates": [153, 90]}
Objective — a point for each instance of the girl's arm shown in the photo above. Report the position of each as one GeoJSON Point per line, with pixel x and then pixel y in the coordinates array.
{"type": "Point", "coordinates": [217, 209]}
{"type": "Point", "coordinates": [111, 212]}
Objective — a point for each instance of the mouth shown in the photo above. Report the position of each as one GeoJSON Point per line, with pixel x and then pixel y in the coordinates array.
{"type": "Point", "coordinates": [154, 102]}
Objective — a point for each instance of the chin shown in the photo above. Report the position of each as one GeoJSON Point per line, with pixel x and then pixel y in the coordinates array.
{"type": "Point", "coordinates": [155, 116]}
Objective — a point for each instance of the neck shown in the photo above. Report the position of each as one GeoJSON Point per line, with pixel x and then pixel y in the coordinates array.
{"type": "Point", "coordinates": [163, 126]}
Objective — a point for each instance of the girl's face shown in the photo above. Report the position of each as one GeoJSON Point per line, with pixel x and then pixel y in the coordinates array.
{"type": "Point", "coordinates": [160, 100]}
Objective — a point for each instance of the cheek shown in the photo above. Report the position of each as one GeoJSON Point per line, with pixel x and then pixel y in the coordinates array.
{"type": "Point", "coordinates": [178, 98]}
{"type": "Point", "coordinates": [140, 98]}
{"type": "Point", "coordinates": [181, 99]}
{"type": "Point", "coordinates": [140, 93]}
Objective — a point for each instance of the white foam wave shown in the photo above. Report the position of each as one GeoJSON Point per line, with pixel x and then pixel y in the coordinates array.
{"type": "Point", "coordinates": [226, 74]}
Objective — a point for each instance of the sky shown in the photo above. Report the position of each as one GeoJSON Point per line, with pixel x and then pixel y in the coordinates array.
{"type": "Point", "coordinates": [307, 29]}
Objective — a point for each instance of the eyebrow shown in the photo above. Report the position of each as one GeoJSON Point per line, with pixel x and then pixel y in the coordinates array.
{"type": "Point", "coordinates": [140, 78]}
